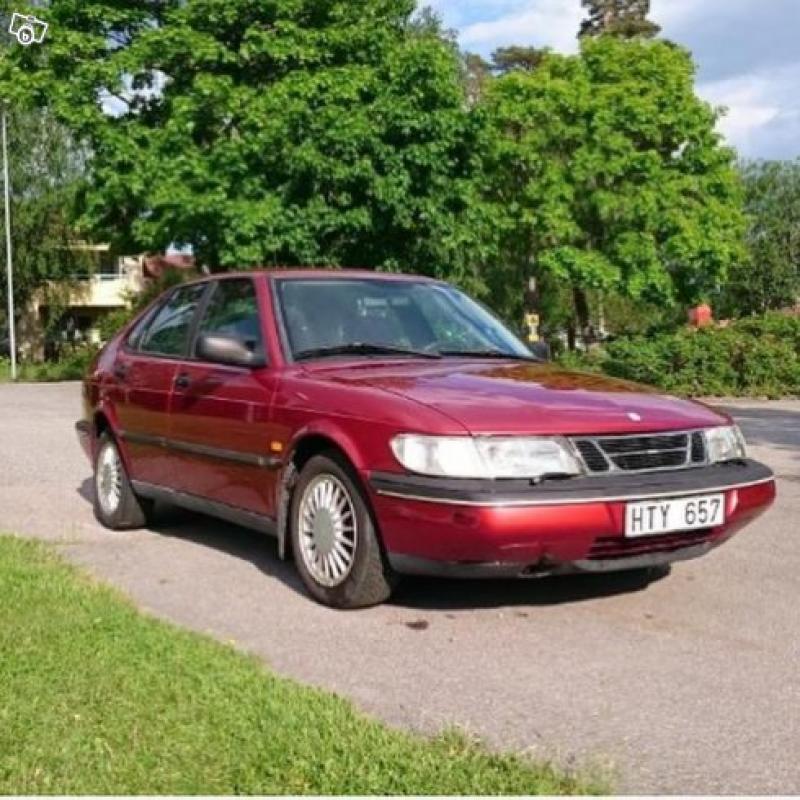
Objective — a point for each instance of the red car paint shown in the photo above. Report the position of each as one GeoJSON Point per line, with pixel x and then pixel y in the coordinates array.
{"type": "Point", "coordinates": [271, 414]}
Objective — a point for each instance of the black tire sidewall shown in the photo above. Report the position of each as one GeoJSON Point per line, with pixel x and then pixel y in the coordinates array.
{"type": "Point", "coordinates": [369, 581]}
{"type": "Point", "coordinates": [131, 512]}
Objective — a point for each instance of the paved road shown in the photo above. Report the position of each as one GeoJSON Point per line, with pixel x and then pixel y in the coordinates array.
{"type": "Point", "coordinates": [688, 685]}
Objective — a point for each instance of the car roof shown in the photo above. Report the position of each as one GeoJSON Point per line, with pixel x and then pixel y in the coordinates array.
{"type": "Point", "coordinates": [322, 274]}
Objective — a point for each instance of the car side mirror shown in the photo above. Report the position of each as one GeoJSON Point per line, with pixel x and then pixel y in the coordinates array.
{"type": "Point", "coordinates": [541, 350]}
{"type": "Point", "coordinates": [230, 350]}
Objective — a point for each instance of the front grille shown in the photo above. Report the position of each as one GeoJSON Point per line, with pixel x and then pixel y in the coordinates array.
{"type": "Point", "coordinates": [636, 462]}
{"type": "Point", "coordinates": [642, 453]}
{"type": "Point", "coordinates": [592, 457]}
{"type": "Point", "coordinates": [613, 547]}
{"type": "Point", "coordinates": [698, 448]}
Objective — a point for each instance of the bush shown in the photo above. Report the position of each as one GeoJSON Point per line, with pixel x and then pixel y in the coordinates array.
{"type": "Point", "coordinates": [758, 356]}
{"type": "Point", "coordinates": [70, 367]}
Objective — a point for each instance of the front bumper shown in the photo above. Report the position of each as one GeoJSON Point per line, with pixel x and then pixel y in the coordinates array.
{"type": "Point", "coordinates": [466, 528]}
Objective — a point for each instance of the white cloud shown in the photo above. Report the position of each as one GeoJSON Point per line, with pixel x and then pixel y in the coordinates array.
{"type": "Point", "coordinates": [746, 51]}
{"type": "Point", "coordinates": [763, 116]}
{"type": "Point", "coordinates": [553, 23]}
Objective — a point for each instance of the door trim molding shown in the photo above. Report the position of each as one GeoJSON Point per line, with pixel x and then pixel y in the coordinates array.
{"type": "Point", "coordinates": [204, 451]}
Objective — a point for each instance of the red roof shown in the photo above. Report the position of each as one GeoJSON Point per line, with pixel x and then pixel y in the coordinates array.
{"type": "Point", "coordinates": [156, 265]}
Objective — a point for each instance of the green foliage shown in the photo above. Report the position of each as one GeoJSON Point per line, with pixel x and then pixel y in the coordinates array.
{"type": "Point", "coordinates": [327, 132]}
{"type": "Point", "coordinates": [46, 171]}
{"type": "Point", "coordinates": [623, 18]}
{"type": "Point", "coordinates": [265, 133]}
{"type": "Point", "coordinates": [759, 356]}
{"type": "Point", "coordinates": [769, 278]}
{"type": "Point", "coordinates": [506, 59]}
{"type": "Point", "coordinates": [71, 366]}
{"type": "Point", "coordinates": [604, 172]}
{"type": "Point", "coordinates": [97, 699]}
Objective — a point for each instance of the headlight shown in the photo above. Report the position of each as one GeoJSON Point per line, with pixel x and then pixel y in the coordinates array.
{"type": "Point", "coordinates": [486, 456]}
{"type": "Point", "coordinates": [725, 444]}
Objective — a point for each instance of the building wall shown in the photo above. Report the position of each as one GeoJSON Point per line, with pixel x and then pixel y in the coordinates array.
{"type": "Point", "coordinates": [86, 299]}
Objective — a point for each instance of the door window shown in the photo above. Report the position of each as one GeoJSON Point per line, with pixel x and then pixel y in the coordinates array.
{"type": "Point", "coordinates": [233, 311]}
{"type": "Point", "coordinates": [169, 333]}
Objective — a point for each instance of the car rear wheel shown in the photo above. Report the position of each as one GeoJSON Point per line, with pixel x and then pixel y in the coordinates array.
{"type": "Point", "coordinates": [116, 506]}
{"type": "Point", "coordinates": [334, 540]}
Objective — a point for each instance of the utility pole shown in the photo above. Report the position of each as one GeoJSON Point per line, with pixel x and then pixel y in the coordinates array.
{"type": "Point", "coordinates": [12, 343]}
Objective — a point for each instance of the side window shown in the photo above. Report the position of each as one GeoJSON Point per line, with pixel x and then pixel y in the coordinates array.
{"type": "Point", "coordinates": [169, 333]}
{"type": "Point", "coordinates": [233, 311]}
{"type": "Point", "coordinates": [138, 330]}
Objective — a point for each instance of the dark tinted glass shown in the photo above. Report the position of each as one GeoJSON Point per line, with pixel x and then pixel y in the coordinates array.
{"type": "Point", "coordinates": [233, 311]}
{"type": "Point", "coordinates": [169, 333]}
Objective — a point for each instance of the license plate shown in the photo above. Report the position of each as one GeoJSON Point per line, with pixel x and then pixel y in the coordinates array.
{"type": "Point", "coordinates": [652, 517]}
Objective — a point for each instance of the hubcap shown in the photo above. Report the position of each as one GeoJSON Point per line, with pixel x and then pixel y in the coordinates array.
{"type": "Point", "coordinates": [328, 530]}
{"type": "Point", "coordinates": [108, 480]}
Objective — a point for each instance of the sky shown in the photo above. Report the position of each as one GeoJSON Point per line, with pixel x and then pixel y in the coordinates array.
{"type": "Point", "coordinates": [747, 53]}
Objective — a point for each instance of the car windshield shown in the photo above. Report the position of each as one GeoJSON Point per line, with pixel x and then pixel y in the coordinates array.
{"type": "Point", "coordinates": [373, 317]}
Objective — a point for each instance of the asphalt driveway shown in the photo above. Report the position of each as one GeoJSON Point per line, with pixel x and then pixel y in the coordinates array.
{"type": "Point", "coordinates": [688, 685]}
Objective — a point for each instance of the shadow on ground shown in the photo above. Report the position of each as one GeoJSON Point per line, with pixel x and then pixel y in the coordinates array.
{"type": "Point", "coordinates": [413, 592]}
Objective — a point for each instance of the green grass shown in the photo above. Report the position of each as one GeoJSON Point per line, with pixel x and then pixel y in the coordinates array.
{"type": "Point", "coordinates": [72, 368]}
{"type": "Point", "coordinates": [96, 698]}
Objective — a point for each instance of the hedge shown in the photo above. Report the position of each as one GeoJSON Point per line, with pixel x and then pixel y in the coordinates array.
{"type": "Point", "coordinates": [70, 367]}
{"type": "Point", "coordinates": [753, 357]}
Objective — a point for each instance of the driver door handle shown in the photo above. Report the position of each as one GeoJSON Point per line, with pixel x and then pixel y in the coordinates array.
{"type": "Point", "coordinates": [183, 381]}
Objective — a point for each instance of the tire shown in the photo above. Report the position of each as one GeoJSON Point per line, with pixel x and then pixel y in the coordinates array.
{"type": "Point", "coordinates": [336, 546]}
{"type": "Point", "coordinates": [118, 509]}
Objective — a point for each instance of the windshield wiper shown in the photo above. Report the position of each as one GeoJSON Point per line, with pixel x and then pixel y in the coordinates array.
{"type": "Point", "coordinates": [499, 354]}
{"type": "Point", "coordinates": [362, 349]}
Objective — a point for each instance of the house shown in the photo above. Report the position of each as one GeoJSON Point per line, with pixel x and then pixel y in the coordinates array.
{"type": "Point", "coordinates": [111, 283]}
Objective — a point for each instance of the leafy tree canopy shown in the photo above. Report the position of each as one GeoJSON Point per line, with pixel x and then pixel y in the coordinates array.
{"type": "Point", "coordinates": [263, 131]}
{"type": "Point", "coordinates": [624, 18]}
{"type": "Point", "coordinates": [605, 172]}
{"type": "Point", "coordinates": [46, 171]}
{"type": "Point", "coordinates": [769, 278]}
{"type": "Point", "coordinates": [505, 59]}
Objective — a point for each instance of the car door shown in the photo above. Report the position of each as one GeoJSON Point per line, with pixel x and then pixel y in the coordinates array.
{"type": "Point", "coordinates": [221, 429]}
{"type": "Point", "coordinates": [144, 372]}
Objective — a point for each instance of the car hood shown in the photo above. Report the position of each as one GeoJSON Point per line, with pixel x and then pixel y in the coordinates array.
{"type": "Point", "coordinates": [513, 397]}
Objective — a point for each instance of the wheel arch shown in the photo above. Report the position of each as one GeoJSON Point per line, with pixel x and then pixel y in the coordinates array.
{"type": "Point", "coordinates": [307, 444]}
{"type": "Point", "coordinates": [104, 421]}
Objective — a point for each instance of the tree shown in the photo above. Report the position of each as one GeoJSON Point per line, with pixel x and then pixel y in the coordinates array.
{"type": "Point", "coordinates": [46, 172]}
{"type": "Point", "coordinates": [477, 74]}
{"type": "Point", "coordinates": [604, 172]}
{"type": "Point", "coordinates": [505, 59]}
{"type": "Point", "coordinates": [623, 18]}
{"type": "Point", "coordinates": [264, 133]}
{"type": "Point", "coordinates": [769, 278]}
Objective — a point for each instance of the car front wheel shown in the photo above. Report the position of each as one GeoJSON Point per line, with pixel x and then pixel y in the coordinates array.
{"type": "Point", "coordinates": [116, 506]}
{"type": "Point", "coordinates": [335, 544]}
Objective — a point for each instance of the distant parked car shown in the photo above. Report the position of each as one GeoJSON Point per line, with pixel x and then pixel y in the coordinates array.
{"type": "Point", "coordinates": [384, 425]}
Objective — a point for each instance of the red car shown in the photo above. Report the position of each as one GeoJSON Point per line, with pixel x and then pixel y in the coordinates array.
{"type": "Point", "coordinates": [383, 425]}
